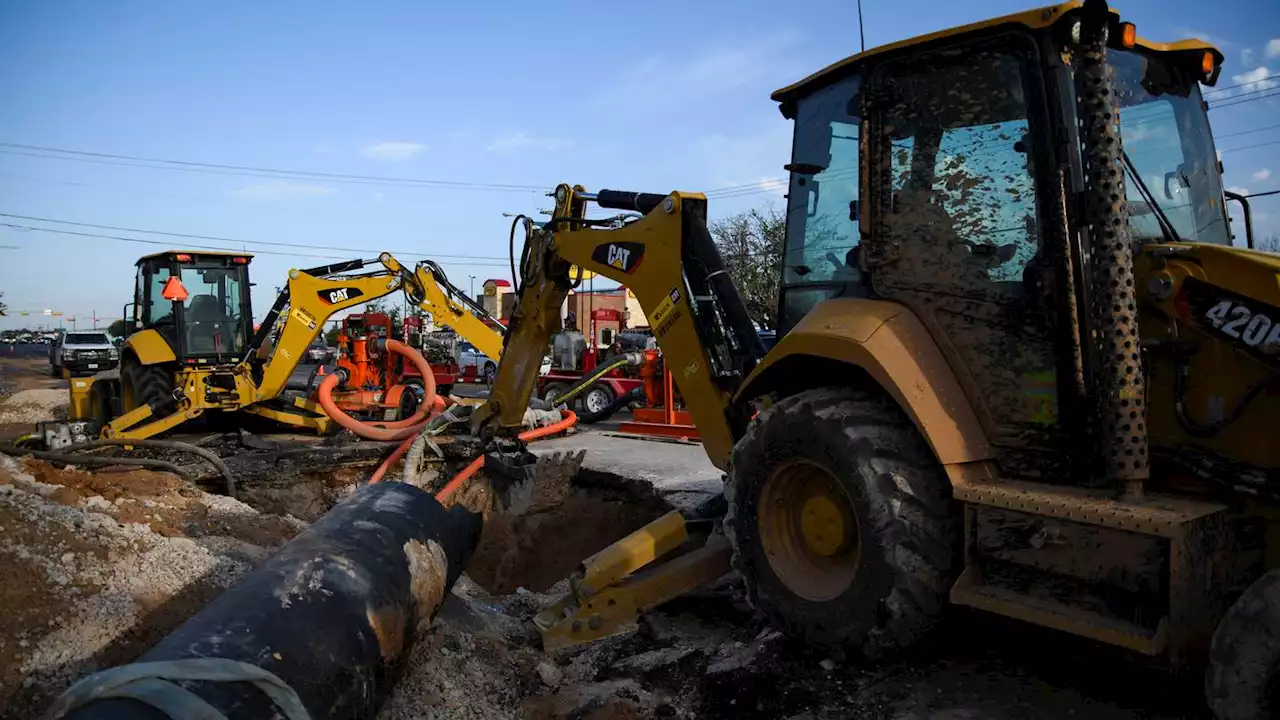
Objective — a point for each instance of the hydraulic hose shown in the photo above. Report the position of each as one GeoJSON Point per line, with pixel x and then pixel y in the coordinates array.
{"type": "Point", "coordinates": [396, 430]}
{"type": "Point", "coordinates": [618, 403]}
{"type": "Point", "coordinates": [586, 381]}
{"type": "Point", "coordinates": [568, 420]}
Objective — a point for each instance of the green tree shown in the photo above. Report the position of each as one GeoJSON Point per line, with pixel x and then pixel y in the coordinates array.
{"type": "Point", "coordinates": [3, 307]}
{"type": "Point", "coordinates": [116, 328]}
{"type": "Point", "coordinates": [751, 245]}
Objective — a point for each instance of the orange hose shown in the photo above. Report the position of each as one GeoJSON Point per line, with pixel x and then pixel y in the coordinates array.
{"type": "Point", "coordinates": [568, 420]}
{"type": "Point", "coordinates": [400, 451]}
{"type": "Point", "coordinates": [396, 430]}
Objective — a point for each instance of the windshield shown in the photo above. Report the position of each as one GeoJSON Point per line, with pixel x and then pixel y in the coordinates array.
{"type": "Point", "coordinates": [213, 308]}
{"type": "Point", "coordinates": [1166, 136]}
{"type": "Point", "coordinates": [87, 339]}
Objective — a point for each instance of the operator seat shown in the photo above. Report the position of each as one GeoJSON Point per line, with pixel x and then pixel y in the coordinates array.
{"type": "Point", "coordinates": [209, 329]}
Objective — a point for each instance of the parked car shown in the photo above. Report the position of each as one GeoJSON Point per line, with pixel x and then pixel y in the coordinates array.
{"type": "Point", "coordinates": [82, 352]}
{"type": "Point", "coordinates": [320, 353]}
{"type": "Point", "coordinates": [468, 355]}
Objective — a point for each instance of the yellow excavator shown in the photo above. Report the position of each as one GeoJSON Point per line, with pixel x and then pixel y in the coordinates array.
{"type": "Point", "coordinates": [191, 345]}
{"type": "Point", "coordinates": [1023, 366]}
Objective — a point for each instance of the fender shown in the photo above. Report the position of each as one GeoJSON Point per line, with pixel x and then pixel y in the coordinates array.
{"type": "Point", "coordinates": [150, 347]}
{"type": "Point", "coordinates": [890, 344]}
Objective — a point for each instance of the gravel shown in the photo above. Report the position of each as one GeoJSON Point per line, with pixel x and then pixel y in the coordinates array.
{"type": "Point", "coordinates": [83, 590]}
{"type": "Point", "coordinates": [30, 406]}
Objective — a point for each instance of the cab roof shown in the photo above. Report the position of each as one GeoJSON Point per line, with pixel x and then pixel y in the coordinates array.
{"type": "Point", "coordinates": [1036, 19]}
{"type": "Point", "coordinates": [194, 253]}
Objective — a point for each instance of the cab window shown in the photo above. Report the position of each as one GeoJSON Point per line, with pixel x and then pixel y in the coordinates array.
{"type": "Point", "coordinates": [819, 256]}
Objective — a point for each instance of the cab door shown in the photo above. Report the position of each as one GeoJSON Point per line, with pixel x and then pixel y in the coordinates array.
{"type": "Point", "coordinates": [961, 192]}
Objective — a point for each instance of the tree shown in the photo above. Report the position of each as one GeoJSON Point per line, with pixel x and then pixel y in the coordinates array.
{"type": "Point", "coordinates": [1270, 244]}
{"type": "Point", "coordinates": [116, 328]}
{"type": "Point", "coordinates": [751, 245]}
{"type": "Point", "coordinates": [3, 307]}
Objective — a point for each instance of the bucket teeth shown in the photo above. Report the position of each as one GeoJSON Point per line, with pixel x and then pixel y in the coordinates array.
{"type": "Point", "coordinates": [524, 482]}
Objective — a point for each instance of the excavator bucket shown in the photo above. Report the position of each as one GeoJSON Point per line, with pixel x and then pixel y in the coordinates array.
{"type": "Point", "coordinates": [523, 482]}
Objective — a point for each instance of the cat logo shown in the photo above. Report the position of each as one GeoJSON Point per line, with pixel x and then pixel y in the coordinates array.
{"type": "Point", "coordinates": [618, 256]}
{"type": "Point", "coordinates": [624, 256]}
{"type": "Point", "coordinates": [339, 295]}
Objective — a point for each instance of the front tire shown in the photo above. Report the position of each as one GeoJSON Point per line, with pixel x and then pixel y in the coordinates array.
{"type": "Point", "coordinates": [842, 521]}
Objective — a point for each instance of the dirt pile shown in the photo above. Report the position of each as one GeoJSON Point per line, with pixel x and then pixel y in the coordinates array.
{"type": "Point", "coordinates": [96, 567]}
{"type": "Point", "coordinates": [34, 405]}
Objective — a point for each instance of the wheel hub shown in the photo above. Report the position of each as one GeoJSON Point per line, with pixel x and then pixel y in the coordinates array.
{"type": "Point", "coordinates": [808, 530]}
{"type": "Point", "coordinates": [822, 526]}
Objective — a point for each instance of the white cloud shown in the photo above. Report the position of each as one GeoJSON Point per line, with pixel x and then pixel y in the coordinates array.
{"type": "Point", "coordinates": [1238, 190]}
{"type": "Point", "coordinates": [666, 84]}
{"type": "Point", "coordinates": [282, 189]}
{"type": "Point", "coordinates": [748, 167]}
{"type": "Point", "coordinates": [1259, 78]}
{"type": "Point", "coordinates": [1262, 174]}
{"type": "Point", "coordinates": [1211, 39]}
{"type": "Point", "coordinates": [524, 141]}
{"type": "Point", "coordinates": [392, 151]}
{"type": "Point", "coordinates": [1246, 56]}
{"type": "Point", "coordinates": [1273, 49]}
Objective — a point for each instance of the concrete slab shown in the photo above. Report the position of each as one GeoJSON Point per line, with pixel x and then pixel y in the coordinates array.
{"type": "Point", "coordinates": [680, 473]}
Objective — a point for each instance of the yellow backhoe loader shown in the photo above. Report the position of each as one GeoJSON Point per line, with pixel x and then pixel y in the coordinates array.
{"type": "Point", "coordinates": [191, 345]}
{"type": "Point", "coordinates": [1022, 366]}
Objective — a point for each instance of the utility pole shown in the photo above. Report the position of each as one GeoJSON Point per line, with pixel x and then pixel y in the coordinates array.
{"type": "Point", "coordinates": [473, 286]}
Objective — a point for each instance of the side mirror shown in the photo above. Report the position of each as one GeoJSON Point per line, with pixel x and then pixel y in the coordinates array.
{"type": "Point", "coordinates": [1176, 179]}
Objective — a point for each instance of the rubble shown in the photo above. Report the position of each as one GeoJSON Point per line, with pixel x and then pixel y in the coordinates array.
{"type": "Point", "coordinates": [95, 567]}
{"type": "Point", "coordinates": [34, 405]}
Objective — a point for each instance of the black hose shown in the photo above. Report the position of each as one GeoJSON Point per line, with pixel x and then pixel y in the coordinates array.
{"type": "Point", "coordinates": [618, 403]}
{"type": "Point", "coordinates": [590, 379]}
{"type": "Point", "coordinates": [511, 251]}
{"type": "Point", "coordinates": [71, 459]}
{"type": "Point", "coordinates": [177, 445]}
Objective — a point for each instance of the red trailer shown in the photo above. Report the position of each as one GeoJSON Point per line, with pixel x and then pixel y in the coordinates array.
{"type": "Point", "coordinates": [616, 383]}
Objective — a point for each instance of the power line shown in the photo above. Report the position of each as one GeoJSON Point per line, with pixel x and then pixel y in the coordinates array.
{"type": "Point", "coordinates": [1247, 132]}
{"type": "Point", "coordinates": [1236, 101]}
{"type": "Point", "coordinates": [240, 240]}
{"type": "Point", "coordinates": [1264, 193]}
{"type": "Point", "coordinates": [222, 168]}
{"type": "Point", "coordinates": [1250, 147]}
{"type": "Point", "coordinates": [31, 228]}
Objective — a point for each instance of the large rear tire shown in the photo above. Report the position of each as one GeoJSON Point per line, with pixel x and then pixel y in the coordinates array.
{"type": "Point", "coordinates": [842, 521]}
{"type": "Point", "coordinates": [145, 384]}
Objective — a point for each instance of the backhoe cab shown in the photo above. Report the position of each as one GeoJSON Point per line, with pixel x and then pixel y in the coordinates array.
{"type": "Point", "coordinates": [1021, 366]}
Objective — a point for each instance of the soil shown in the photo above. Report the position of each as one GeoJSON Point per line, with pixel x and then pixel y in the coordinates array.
{"type": "Point", "coordinates": [96, 567]}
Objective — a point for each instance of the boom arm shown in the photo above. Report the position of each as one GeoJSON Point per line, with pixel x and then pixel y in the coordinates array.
{"type": "Point", "coordinates": [312, 298]}
{"type": "Point", "coordinates": [669, 261]}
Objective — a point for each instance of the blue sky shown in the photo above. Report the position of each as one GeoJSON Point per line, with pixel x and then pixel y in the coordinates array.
{"type": "Point", "coordinates": [526, 94]}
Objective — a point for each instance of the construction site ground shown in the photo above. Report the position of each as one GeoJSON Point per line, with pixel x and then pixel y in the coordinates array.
{"type": "Point", "coordinates": [95, 567]}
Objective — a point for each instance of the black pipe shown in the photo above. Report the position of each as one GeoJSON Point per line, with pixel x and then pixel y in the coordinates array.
{"type": "Point", "coordinates": [333, 614]}
{"type": "Point", "coordinates": [589, 418]}
{"type": "Point", "coordinates": [96, 461]}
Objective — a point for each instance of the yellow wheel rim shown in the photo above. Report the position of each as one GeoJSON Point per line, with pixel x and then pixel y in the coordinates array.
{"type": "Point", "coordinates": [809, 530]}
